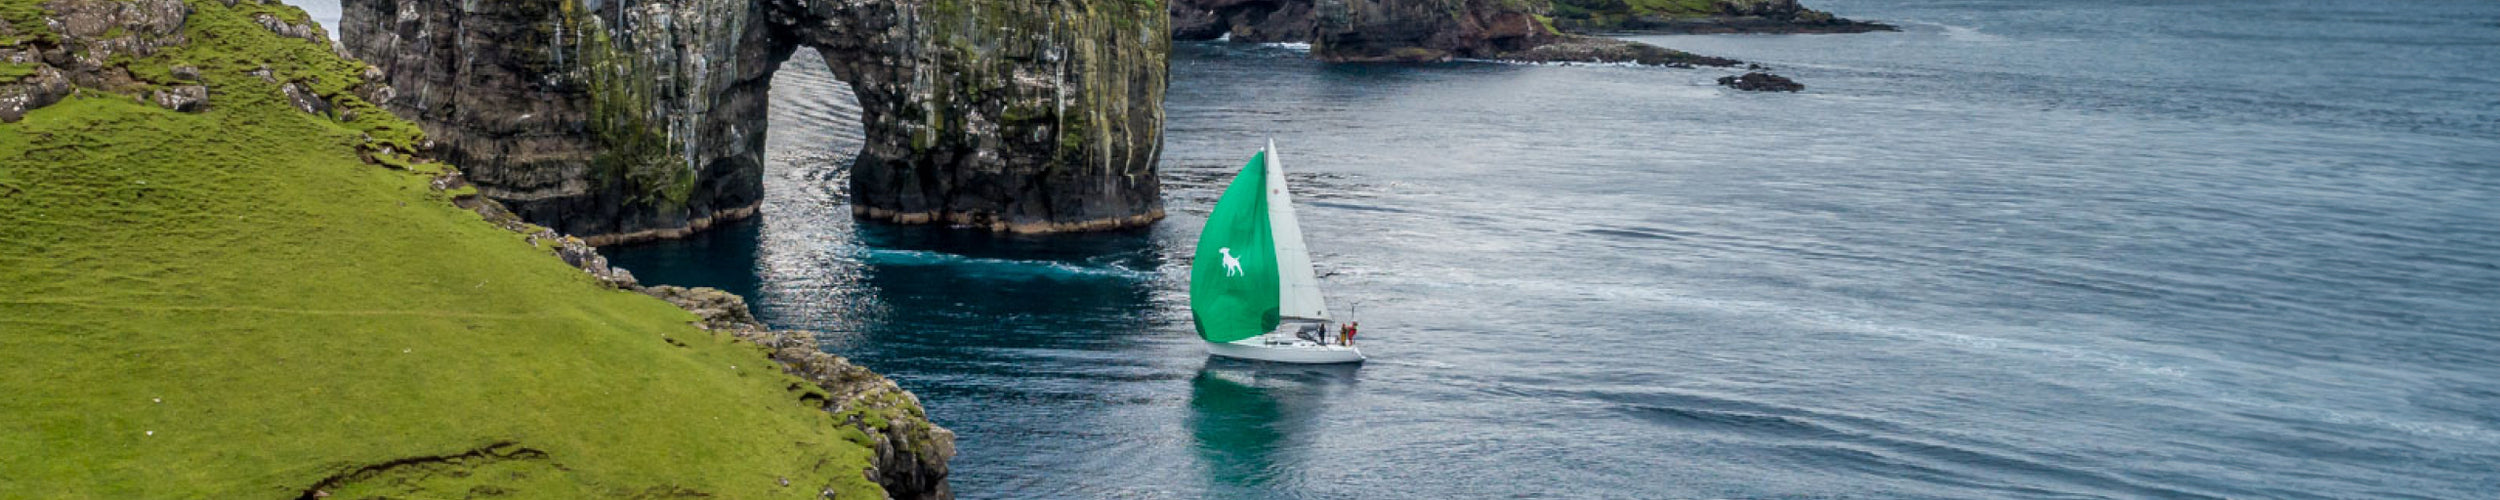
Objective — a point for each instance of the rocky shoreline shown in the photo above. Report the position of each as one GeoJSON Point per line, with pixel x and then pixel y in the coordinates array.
{"type": "Point", "coordinates": [1409, 31]}
{"type": "Point", "coordinates": [910, 451]}
{"type": "Point", "coordinates": [1690, 17]}
{"type": "Point", "coordinates": [1601, 50]}
{"type": "Point", "coordinates": [1733, 26]}
{"type": "Point", "coordinates": [1557, 31]}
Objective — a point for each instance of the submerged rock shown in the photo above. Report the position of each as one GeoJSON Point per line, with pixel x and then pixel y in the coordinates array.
{"type": "Point", "coordinates": [635, 120]}
{"type": "Point", "coordinates": [1761, 82]}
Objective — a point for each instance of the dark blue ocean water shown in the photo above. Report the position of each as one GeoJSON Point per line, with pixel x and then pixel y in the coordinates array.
{"type": "Point", "coordinates": [2018, 250]}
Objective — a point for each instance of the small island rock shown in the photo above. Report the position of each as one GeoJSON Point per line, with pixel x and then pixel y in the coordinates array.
{"type": "Point", "coordinates": [1761, 82]}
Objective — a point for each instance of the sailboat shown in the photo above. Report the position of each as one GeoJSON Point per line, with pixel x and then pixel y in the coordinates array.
{"type": "Point", "coordinates": [1252, 293]}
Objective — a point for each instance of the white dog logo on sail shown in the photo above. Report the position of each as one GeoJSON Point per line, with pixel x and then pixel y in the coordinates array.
{"type": "Point", "coordinates": [1232, 265]}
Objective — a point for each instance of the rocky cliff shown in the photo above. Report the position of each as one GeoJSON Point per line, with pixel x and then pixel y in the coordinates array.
{"type": "Point", "coordinates": [629, 120]}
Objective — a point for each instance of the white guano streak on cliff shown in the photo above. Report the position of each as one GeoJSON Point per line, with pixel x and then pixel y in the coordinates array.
{"type": "Point", "coordinates": [468, 60]}
{"type": "Point", "coordinates": [556, 46]}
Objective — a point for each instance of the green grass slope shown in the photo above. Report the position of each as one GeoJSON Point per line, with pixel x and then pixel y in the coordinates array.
{"type": "Point", "coordinates": [234, 304]}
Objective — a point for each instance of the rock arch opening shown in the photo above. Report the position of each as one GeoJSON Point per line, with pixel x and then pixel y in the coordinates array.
{"type": "Point", "coordinates": [815, 135]}
{"type": "Point", "coordinates": [622, 120]}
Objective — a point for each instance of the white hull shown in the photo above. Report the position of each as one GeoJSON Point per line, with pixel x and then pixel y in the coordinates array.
{"type": "Point", "coordinates": [1297, 352]}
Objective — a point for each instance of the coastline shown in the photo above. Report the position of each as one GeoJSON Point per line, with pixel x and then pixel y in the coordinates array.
{"type": "Point", "coordinates": [1729, 26]}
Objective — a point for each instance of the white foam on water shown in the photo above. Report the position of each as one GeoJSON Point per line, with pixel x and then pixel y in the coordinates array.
{"type": "Point", "coordinates": [1005, 267]}
{"type": "Point", "coordinates": [1968, 34]}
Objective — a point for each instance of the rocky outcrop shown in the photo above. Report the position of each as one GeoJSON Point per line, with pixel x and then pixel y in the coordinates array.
{"type": "Point", "coordinates": [1515, 30]}
{"type": "Point", "coordinates": [1761, 82]}
{"type": "Point", "coordinates": [1440, 30]}
{"type": "Point", "coordinates": [41, 85]}
{"type": "Point", "coordinates": [1414, 31]}
{"type": "Point", "coordinates": [77, 45]}
{"type": "Point", "coordinates": [720, 310]}
{"type": "Point", "coordinates": [1249, 21]}
{"type": "Point", "coordinates": [631, 120]}
{"type": "Point", "coordinates": [1601, 50]}
{"type": "Point", "coordinates": [1702, 16]}
{"type": "Point", "coordinates": [1425, 30]}
{"type": "Point", "coordinates": [186, 98]}
{"type": "Point", "coordinates": [911, 452]}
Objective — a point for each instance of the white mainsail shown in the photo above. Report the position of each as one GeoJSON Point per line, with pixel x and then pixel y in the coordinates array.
{"type": "Point", "coordinates": [1298, 284]}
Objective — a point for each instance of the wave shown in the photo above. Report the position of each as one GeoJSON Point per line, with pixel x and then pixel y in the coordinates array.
{"type": "Point", "coordinates": [1003, 268]}
{"type": "Point", "coordinates": [1870, 444]}
{"type": "Point", "coordinates": [1967, 34]}
{"type": "Point", "coordinates": [1510, 62]}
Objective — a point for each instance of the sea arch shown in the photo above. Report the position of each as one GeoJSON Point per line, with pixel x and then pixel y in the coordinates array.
{"type": "Point", "coordinates": [625, 119]}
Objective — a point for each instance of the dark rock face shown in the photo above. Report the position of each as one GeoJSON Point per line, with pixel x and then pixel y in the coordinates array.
{"type": "Point", "coordinates": [1252, 21]}
{"type": "Point", "coordinates": [1761, 82]}
{"type": "Point", "coordinates": [1704, 16]}
{"type": "Point", "coordinates": [646, 119]}
{"type": "Point", "coordinates": [1425, 30]}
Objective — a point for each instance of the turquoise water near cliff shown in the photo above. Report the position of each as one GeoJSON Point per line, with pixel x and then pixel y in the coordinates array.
{"type": "Point", "coordinates": [2019, 250]}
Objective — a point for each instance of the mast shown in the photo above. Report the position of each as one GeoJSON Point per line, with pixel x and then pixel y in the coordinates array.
{"type": "Point", "coordinates": [1298, 285]}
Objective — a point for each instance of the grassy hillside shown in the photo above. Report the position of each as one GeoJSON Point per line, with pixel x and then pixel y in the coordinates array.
{"type": "Point", "coordinates": [234, 304]}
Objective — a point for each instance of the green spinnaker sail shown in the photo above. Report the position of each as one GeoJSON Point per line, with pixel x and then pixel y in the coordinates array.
{"type": "Point", "coordinates": [1233, 281]}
